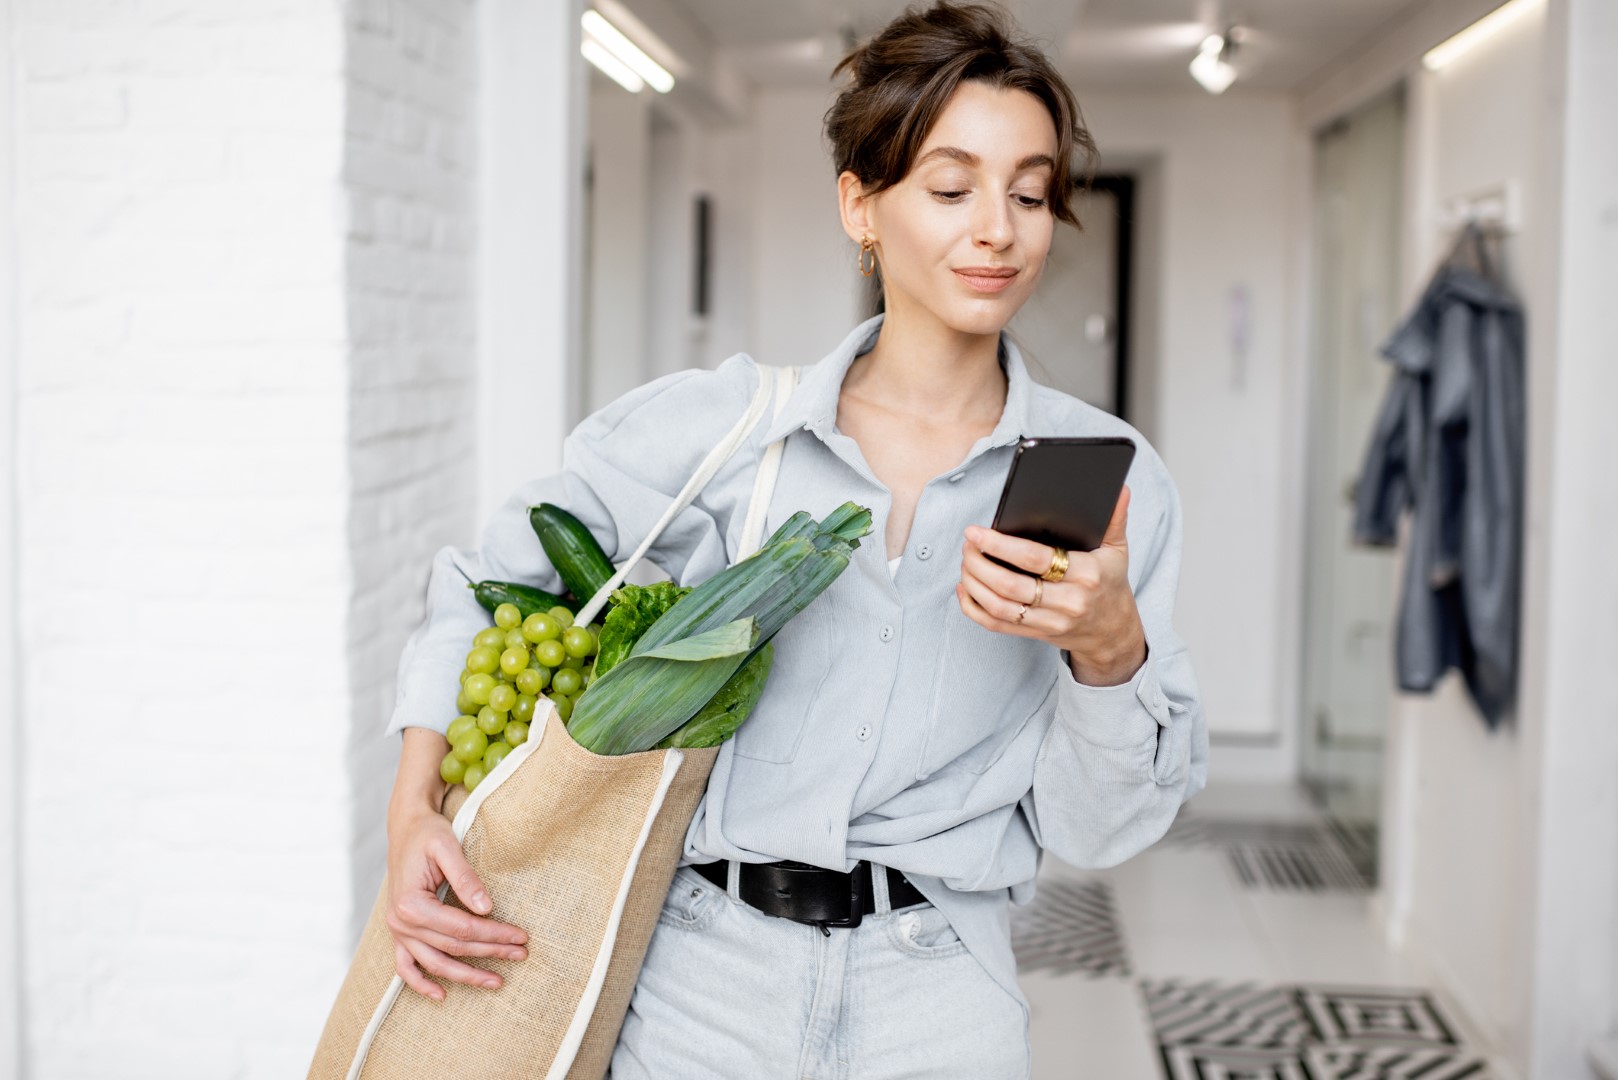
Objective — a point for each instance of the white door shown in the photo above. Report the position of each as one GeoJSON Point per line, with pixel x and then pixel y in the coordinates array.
{"type": "Point", "coordinates": [1349, 591]}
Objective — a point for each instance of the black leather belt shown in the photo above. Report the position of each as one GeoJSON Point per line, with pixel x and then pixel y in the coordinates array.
{"type": "Point", "coordinates": [812, 894]}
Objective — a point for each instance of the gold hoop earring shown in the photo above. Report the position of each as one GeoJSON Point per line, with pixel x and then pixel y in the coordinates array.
{"type": "Point", "coordinates": [867, 244]}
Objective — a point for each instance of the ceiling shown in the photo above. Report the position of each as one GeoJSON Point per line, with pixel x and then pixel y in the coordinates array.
{"type": "Point", "coordinates": [1137, 44]}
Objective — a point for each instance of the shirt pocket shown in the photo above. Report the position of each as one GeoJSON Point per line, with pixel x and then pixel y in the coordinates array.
{"type": "Point", "coordinates": [989, 686]}
{"type": "Point", "coordinates": [775, 727]}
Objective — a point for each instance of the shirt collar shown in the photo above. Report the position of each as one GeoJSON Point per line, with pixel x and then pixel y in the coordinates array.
{"type": "Point", "coordinates": [813, 404]}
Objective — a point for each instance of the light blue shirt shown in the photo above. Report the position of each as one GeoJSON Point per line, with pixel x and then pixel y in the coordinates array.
{"type": "Point", "coordinates": [892, 727]}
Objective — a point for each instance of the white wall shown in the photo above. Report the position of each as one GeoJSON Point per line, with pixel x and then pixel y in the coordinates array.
{"type": "Point", "coordinates": [245, 393]}
{"type": "Point", "coordinates": [1469, 825]}
{"type": "Point", "coordinates": [530, 168]}
{"type": "Point", "coordinates": [805, 285]}
{"type": "Point", "coordinates": [10, 672]}
{"type": "Point", "coordinates": [410, 183]}
{"type": "Point", "coordinates": [1223, 172]}
{"type": "Point", "coordinates": [784, 286]}
{"type": "Point", "coordinates": [1571, 943]}
{"type": "Point", "coordinates": [182, 500]}
{"type": "Point", "coordinates": [1502, 874]}
{"type": "Point", "coordinates": [619, 255]}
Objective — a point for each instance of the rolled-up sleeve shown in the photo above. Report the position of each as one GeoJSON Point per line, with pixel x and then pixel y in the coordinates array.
{"type": "Point", "coordinates": [1118, 761]}
{"type": "Point", "coordinates": [621, 468]}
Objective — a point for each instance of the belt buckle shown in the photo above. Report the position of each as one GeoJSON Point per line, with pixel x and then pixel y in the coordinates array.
{"type": "Point", "coordinates": [856, 901]}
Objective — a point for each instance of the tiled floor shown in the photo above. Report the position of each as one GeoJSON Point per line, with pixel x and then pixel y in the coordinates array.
{"type": "Point", "coordinates": [1241, 947]}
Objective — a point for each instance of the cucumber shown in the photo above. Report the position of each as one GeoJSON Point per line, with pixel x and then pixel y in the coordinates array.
{"type": "Point", "coordinates": [578, 558]}
{"type": "Point", "coordinates": [491, 594]}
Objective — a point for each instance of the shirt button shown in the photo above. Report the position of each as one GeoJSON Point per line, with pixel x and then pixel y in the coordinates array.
{"type": "Point", "coordinates": [955, 479]}
{"type": "Point", "coordinates": [864, 732]}
{"type": "Point", "coordinates": [925, 551]}
{"type": "Point", "coordinates": [886, 633]}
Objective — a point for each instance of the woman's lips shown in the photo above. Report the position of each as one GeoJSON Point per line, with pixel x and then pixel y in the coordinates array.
{"type": "Point", "coordinates": [987, 279]}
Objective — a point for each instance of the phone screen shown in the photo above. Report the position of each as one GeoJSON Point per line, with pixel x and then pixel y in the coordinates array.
{"type": "Point", "coordinates": [1062, 491]}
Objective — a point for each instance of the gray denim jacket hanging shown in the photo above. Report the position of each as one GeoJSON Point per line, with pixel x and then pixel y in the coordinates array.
{"type": "Point", "coordinates": [1448, 443]}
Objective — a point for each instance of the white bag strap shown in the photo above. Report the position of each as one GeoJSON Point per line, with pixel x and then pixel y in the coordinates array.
{"type": "Point", "coordinates": [767, 384]}
{"type": "Point", "coordinates": [768, 469]}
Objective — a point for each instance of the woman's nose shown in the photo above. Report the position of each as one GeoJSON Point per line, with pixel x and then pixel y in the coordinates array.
{"type": "Point", "coordinates": [992, 226]}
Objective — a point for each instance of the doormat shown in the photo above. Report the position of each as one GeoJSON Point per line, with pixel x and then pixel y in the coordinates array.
{"type": "Point", "coordinates": [1207, 1028]}
{"type": "Point", "coordinates": [1069, 928]}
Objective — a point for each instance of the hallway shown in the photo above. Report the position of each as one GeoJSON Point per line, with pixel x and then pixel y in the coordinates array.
{"type": "Point", "coordinates": [1244, 943]}
{"type": "Point", "coordinates": [295, 294]}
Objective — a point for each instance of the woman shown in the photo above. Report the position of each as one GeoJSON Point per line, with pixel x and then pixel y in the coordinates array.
{"type": "Point", "coordinates": [932, 715]}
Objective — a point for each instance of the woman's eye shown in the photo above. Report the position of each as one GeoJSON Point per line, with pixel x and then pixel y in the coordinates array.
{"type": "Point", "coordinates": [1030, 201]}
{"type": "Point", "coordinates": [948, 196]}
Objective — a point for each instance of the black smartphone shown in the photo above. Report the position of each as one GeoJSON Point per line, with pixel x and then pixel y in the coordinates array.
{"type": "Point", "coordinates": [1062, 491]}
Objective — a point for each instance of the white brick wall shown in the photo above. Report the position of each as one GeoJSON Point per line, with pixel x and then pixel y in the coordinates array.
{"type": "Point", "coordinates": [244, 397]}
{"type": "Point", "coordinates": [408, 163]}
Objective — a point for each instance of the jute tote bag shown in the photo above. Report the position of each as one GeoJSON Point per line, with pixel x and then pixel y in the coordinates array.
{"type": "Point", "coordinates": [578, 849]}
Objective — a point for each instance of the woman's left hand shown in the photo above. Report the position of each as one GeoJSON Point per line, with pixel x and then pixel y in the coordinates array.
{"type": "Point", "coordinates": [1091, 612]}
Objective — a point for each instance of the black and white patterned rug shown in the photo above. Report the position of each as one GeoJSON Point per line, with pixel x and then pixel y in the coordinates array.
{"type": "Point", "coordinates": [1245, 1031]}
{"type": "Point", "coordinates": [1305, 856]}
{"type": "Point", "coordinates": [1069, 928]}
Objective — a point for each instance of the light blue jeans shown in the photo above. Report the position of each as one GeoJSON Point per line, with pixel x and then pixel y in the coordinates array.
{"type": "Point", "coordinates": [730, 992]}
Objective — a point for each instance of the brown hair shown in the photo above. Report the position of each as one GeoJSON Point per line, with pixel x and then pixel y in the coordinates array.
{"type": "Point", "coordinates": [903, 77]}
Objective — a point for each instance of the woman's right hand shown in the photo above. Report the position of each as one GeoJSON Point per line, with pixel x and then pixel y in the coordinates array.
{"type": "Point", "coordinates": [427, 933]}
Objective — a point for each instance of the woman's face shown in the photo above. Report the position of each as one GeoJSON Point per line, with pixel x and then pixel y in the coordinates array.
{"type": "Point", "coordinates": [963, 237]}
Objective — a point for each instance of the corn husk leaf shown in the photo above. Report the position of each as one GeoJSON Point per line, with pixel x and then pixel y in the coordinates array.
{"type": "Point", "coordinates": [645, 697]}
{"type": "Point", "coordinates": [719, 719]}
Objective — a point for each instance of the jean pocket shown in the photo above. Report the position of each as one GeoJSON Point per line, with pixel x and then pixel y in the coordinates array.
{"type": "Point", "coordinates": [925, 932]}
{"type": "Point", "coordinates": [692, 900]}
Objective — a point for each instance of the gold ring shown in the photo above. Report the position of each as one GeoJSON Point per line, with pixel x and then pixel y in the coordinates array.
{"type": "Point", "coordinates": [1039, 589]}
{"type": "Point", "coordinates": [1023, 612]}
{"type": "Point", "coordinates": [1058, 565]}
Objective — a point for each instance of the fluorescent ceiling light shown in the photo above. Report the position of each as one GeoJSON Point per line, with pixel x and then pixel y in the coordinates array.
{"type": "Point", "coordinates": [609, 38]}
{"type": "Point", "coordinates": [1211, 67]}
{"type": "Point", "coordinates": [1486, 27]}
{"type": "Point", "coordinates": [610, 66]}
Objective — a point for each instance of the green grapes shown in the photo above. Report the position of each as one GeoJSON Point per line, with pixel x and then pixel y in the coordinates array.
{"type": "Point", "coordinates": [491, 723]}
{"type": "Point", "coordinates": [567, 681]}
{"type": "Point", "coordinates": [452, 769]}
{"type": "Point", "coordinates": [541, 627]}
{"type": "Point", "coordinates": [478, 688]}
{"type": "Point", "coordinates": [512, 666]}
{"type": "Point", "coordinates": [495, 754]}
{"type": "Point", "coordinates": [470, 746]}
{"type": "Point", "coordinates": [578, 641]}
{"type": "Point", "coordinates": [502, 698]}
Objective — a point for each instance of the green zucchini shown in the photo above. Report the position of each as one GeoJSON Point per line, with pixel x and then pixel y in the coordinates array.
{"type": "Point", "coordinates": [491, 594]}
{"type": "Point", "coordinates": [578, 558]}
